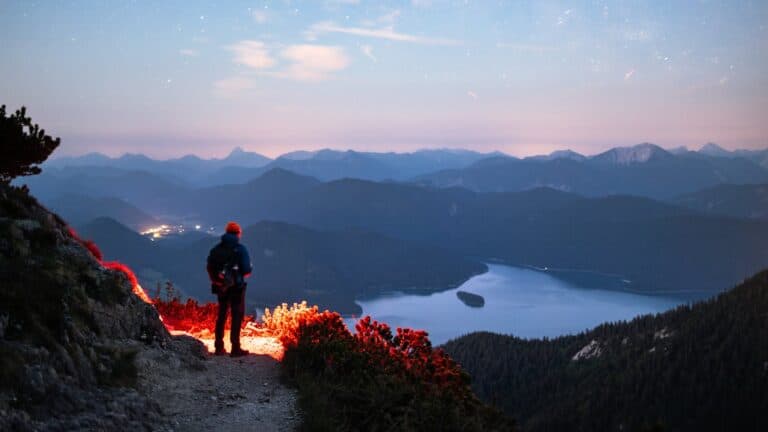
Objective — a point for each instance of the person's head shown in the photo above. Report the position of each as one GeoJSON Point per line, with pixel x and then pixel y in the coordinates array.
{"type": "Point", "coordinates": [233, 228]}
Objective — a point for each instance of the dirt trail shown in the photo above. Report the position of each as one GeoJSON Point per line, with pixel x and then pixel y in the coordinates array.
{"type": "Point", "coordinates": [204, 392]}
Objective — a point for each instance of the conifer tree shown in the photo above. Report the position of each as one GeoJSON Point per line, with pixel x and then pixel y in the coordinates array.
{"type": "Point", "coordinates": [23, 145]}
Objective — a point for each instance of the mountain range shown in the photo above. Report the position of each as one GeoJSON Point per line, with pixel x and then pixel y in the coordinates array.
{"type": "Point", "coordinates": [241, 166]}
{"type": "Point", "coordinates": [758, 156]}
{"type": "Point", "coordinates": [644, 170]}
{"type": "Point", "coordinates": [190, 168]}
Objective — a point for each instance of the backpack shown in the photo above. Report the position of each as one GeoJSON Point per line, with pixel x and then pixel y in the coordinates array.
{"type": "Point", "coordinates": [223, 268]}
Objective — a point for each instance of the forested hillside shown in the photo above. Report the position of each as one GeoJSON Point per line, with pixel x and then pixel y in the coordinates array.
{"type": "Point", "coordinates": [700, 367]}
{"type": "Point", "coordinates": [742, 201]}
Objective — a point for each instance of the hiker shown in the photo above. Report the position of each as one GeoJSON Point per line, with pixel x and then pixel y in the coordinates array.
{"type": "Point", "coordinates": [228, 266]}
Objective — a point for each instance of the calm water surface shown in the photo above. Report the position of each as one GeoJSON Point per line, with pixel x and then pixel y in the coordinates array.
{"type": "Point", "coordinates": [518, 301]}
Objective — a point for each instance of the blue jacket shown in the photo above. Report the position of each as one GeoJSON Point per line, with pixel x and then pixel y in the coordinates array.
{"type": "Point", "coordinates": [245, 259]}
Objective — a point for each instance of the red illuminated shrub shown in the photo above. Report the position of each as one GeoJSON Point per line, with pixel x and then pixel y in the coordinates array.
{"type": "Point", "coordinates": [374, 380]}
{"type": "Point", "coordinates": [191, 316]}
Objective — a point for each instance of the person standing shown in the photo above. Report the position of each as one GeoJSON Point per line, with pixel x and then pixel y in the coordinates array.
{"type": "Point", "coordinates": [228, 266]}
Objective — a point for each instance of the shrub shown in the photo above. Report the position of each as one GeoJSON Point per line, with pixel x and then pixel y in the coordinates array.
{"type": "Point", "coordinates": [374, 380]}
{"type": "Point", "coordinates": [23, 145]}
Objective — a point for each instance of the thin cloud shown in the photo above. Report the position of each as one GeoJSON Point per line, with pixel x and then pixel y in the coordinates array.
{"type": "Point", "coordinates": [381, 33]}
{"type": "Point", "coordinates": [304, 62]}
{"type": "Point", "coordinates": [368, 52]}
{"type": "Point", "coordinates": [389, 18]}
{"type": "Point", "coordinates": [312, 62]}
{"type": "Point", "coordinates": [253, 54]}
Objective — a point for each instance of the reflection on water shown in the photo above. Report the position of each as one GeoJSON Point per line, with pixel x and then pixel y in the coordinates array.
{"type": "Point", "coordinates": [518, 301]}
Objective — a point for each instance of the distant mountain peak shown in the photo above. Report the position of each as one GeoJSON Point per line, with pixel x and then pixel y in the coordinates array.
{"type": "Point", "coordinates": [561, 154]}
{"type": "Point", "coordinates": [298, 155]}
{"type": "Point", "coordinates": [241, 157]}
{"type": "Point", "coordinates": [281, 176]}
{"type": "Point", "coordinates": [640, 153]}
{"type": "Point", "coordinates": [237, 151]}
{"type": "Point", "coordinates": [712, 149]}
{"type": "Point", "coordinates": [568, 153]}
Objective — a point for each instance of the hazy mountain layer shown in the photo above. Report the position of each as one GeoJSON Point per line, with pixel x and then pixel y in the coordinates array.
{"type": "Point", "coordinates": [644, 170]}
{"type": "Point", "coordinates": [241, 166]}
{"type": "Point", "coordinates": [80, 209]}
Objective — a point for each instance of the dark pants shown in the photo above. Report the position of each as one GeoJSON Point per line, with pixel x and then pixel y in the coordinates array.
{"type": "Point", "coordinates": [234, 300]}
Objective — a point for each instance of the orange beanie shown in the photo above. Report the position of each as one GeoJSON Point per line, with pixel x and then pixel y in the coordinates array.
{"type": "Point", "coordinates": [233, 228]}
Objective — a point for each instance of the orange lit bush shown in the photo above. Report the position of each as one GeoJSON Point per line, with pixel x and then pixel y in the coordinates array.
{"type": "Point", "coordinates": [191, 316]}
{"type": "Point", "coordinates": [283, 322]}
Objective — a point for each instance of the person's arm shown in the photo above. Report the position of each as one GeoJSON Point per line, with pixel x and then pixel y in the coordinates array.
{"type": "Point", "coordinates": [213, 275]}
{"type": "Point", "coordinates": [245, 262]}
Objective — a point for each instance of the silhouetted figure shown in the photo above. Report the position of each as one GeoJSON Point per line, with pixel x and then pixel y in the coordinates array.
{"type": "Point", "coordinates": [228, 266]}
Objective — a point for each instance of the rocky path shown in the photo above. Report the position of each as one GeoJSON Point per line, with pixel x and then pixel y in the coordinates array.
{"type": "Point", "coordinates": [203, 392]}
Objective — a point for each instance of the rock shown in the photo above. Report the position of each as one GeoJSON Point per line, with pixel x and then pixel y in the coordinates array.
{"type": "Point", "coordinates": [591, 350]}
{"type": "Point", "coordinates": [27, 224]}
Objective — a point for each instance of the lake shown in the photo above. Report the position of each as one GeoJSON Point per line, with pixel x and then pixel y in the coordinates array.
{"type": "Point", "coordinates": [518, 301]}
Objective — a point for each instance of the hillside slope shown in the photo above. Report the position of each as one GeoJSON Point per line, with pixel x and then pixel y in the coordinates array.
{"type": "Point", "coordinates": [701, 367]}
{"type": "Point", "coordinates": [80, 209]}
{"type": "Point", "coordinates": [80, 351]}
{"type": "Point", "coordinates": [742, 201]}
{"type": "Point", "coordinates": [70, 329]}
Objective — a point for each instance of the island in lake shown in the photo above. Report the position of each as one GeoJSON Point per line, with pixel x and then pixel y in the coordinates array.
{"type": "Point", "coordinates": [471, 300]}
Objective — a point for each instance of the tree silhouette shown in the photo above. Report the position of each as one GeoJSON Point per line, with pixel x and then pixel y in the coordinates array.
{"type": "Point", "coordinates": [23, 145]}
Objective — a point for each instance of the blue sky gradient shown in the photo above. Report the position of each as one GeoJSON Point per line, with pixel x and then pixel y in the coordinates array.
{"type": "Point", "coordinates": [175, 77]}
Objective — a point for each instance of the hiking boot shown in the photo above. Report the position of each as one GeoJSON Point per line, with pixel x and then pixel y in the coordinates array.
{"type": "Point", "coordinates": [239, 352]}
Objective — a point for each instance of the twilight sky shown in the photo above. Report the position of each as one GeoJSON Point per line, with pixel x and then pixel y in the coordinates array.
{"type": "Point", "coordinates": [168, 78]}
